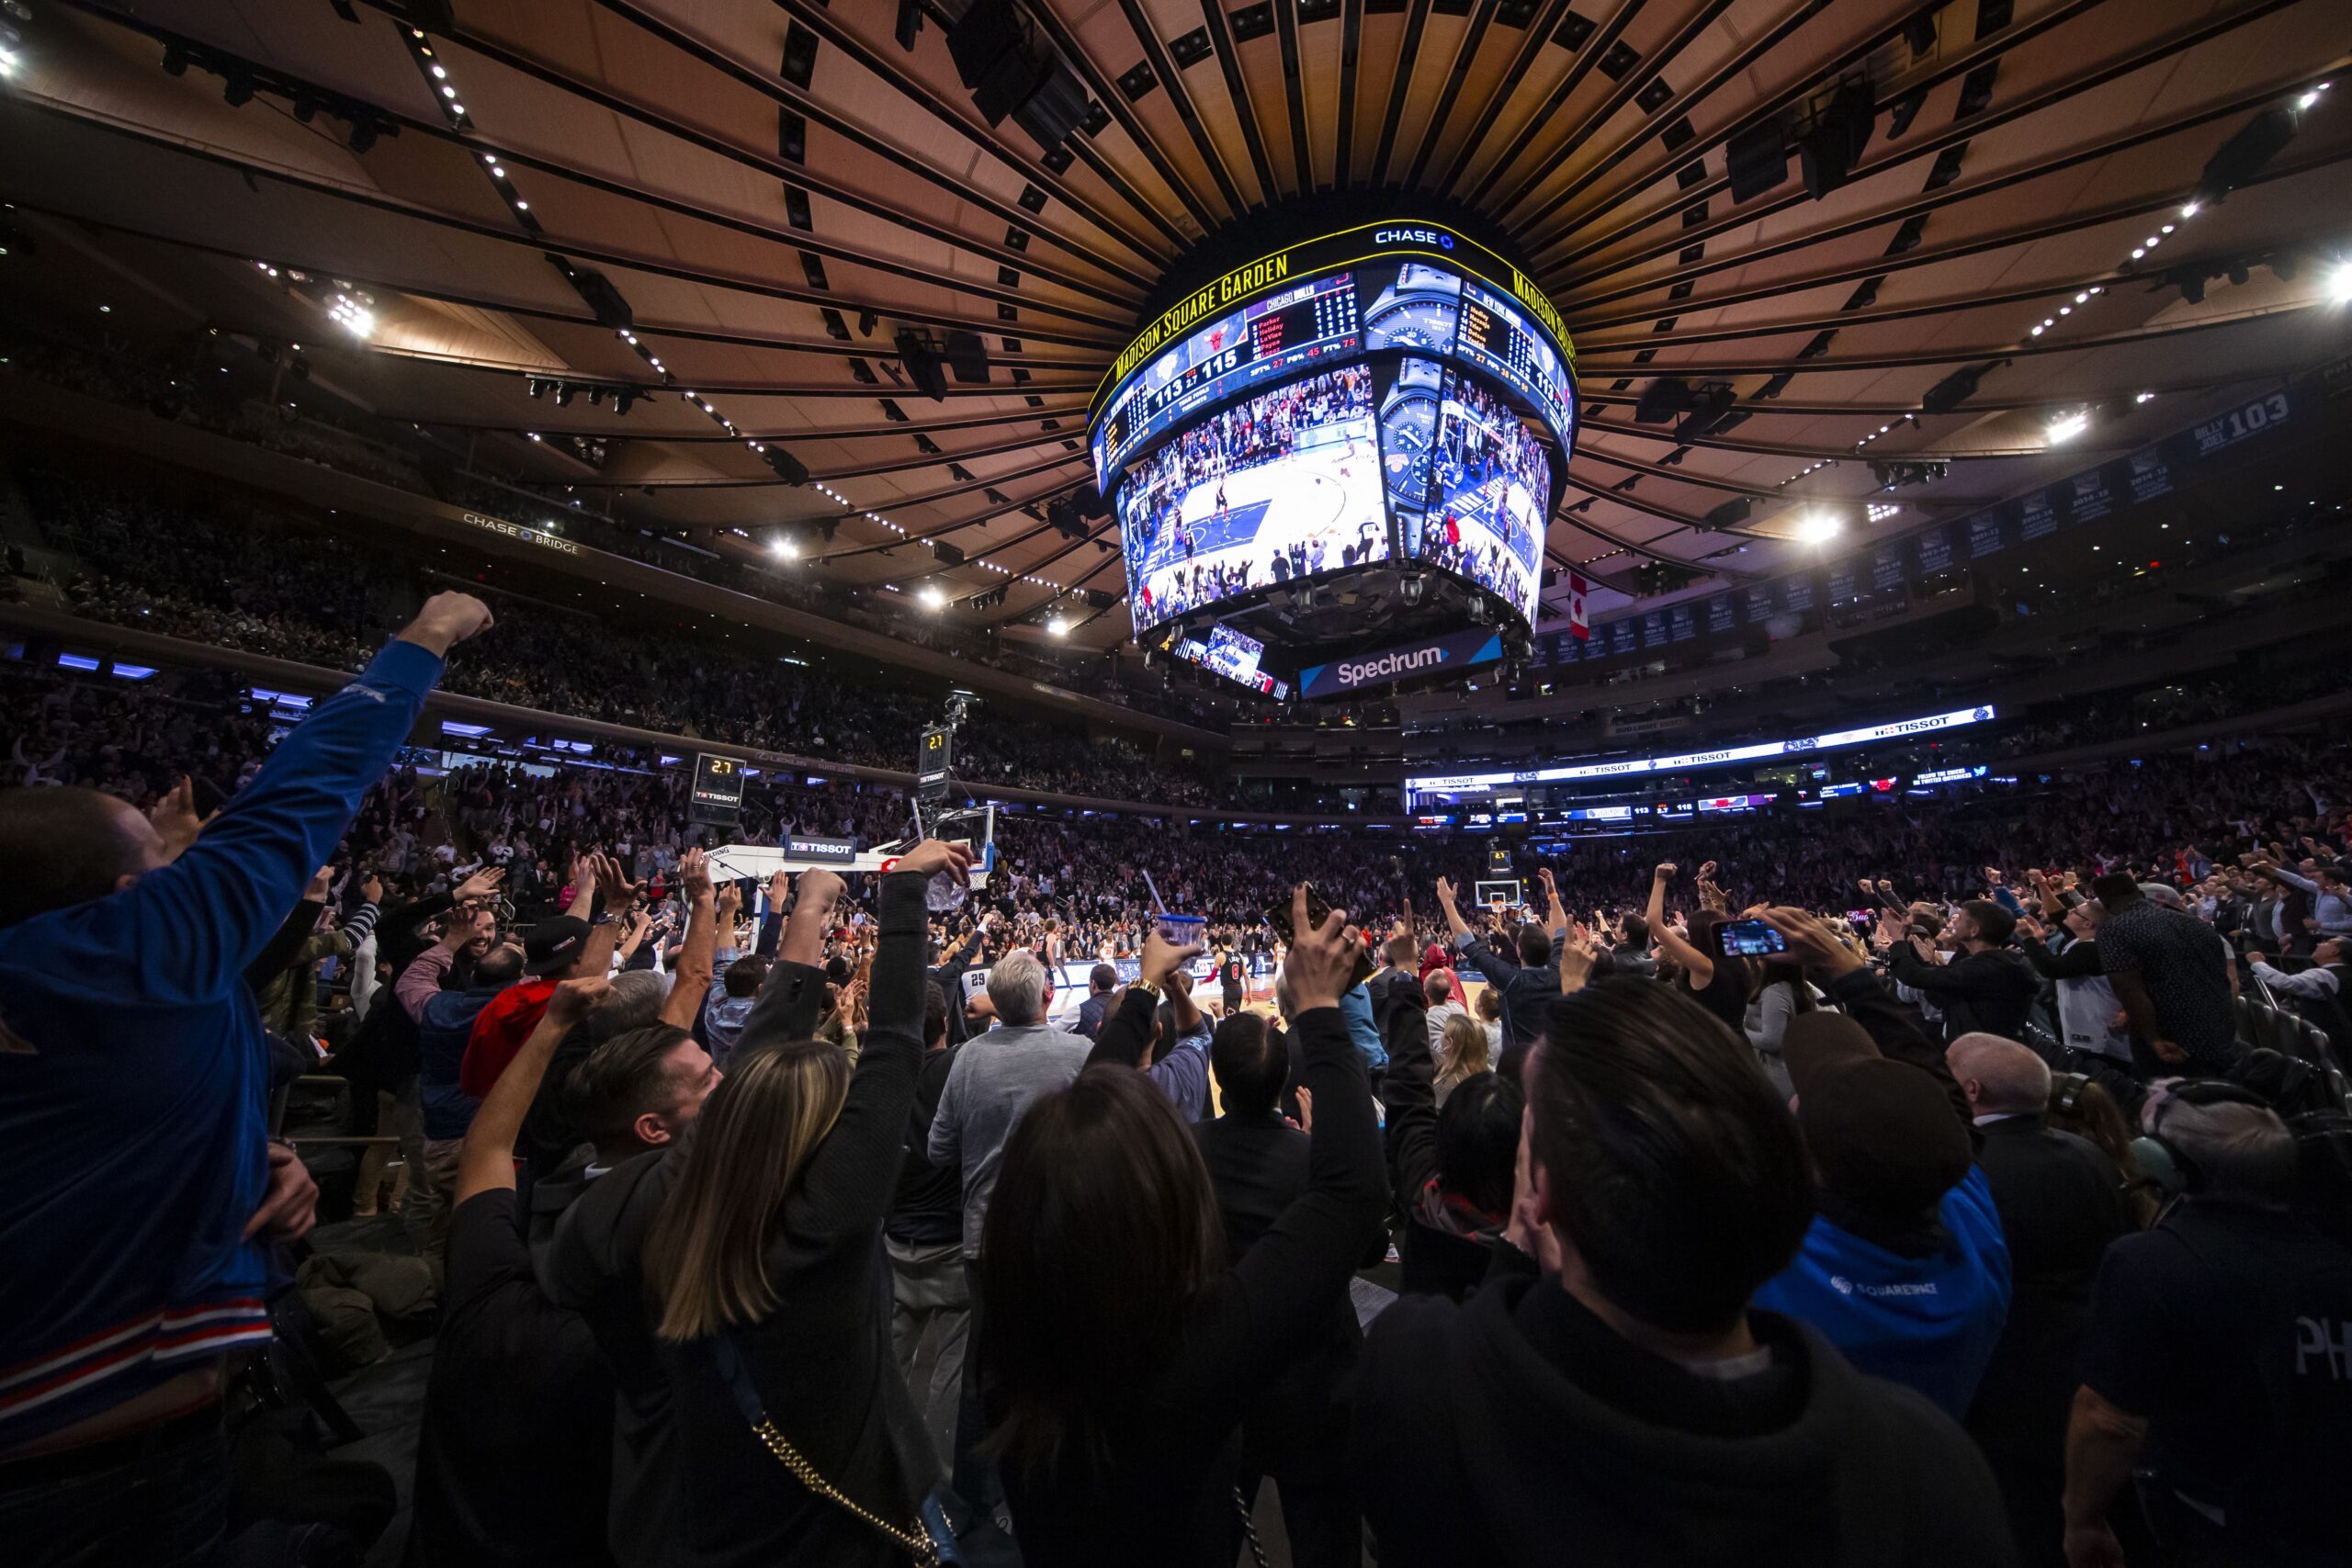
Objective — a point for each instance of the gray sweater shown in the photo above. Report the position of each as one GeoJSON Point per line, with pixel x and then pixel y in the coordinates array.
{"type": "Point", "coordinates": [993, 1080]}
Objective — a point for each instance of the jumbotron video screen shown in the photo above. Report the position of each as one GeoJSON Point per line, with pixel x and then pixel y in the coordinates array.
{"type": "Point", "coordinates": [1274, 489]}
{"type": "Point", "coordinates": [1397, 408]}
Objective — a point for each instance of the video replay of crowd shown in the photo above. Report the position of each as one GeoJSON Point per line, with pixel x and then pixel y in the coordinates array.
{"type": "Point", "coordinates": [1277, 488]}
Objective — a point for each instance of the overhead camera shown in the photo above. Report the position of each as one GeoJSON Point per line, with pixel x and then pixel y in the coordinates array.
{"type": "Point", "coordinates": [959, 706]}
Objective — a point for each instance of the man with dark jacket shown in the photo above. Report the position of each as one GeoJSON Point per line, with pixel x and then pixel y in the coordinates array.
{"type": "Point", "coordinates": [593, 1263]}
{"type": "Point", "coordinates": [1100, 981]}
{"type": "Point", "coordinates": [1626, 1405]}
{"type": "Point", "coordinates": [1526, 987]}
{"type": "Point", "coordinates": [2061, 1201]}
{"type": "Point", "coordinates": [1988, 987]}
{"type": "Point", "coordinates": [1297, 1434]}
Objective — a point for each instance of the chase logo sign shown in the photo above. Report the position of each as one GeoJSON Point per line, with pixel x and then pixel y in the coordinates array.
{"type": "Point", "coordinates": [1437, 237]}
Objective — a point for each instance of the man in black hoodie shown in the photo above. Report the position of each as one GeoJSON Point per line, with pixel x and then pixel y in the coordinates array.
{"type": "Point", "coordinates": [1987, 988]}
{"type": "Point", "coordinates": [1625, 1407]}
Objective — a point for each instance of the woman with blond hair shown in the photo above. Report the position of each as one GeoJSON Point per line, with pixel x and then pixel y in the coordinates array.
{"type": "Point", "coordinates": [1462, 1053]}
{"type": "Point", "coordinates": [770, 1307]}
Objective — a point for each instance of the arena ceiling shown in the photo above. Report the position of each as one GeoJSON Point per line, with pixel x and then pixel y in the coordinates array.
{"type": "Point", "coordinates": [768, 194]}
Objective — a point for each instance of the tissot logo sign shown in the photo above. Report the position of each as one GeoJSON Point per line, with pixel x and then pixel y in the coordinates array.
{"type": "Point", "coordinates": [1455, 784]}
{"type": "Point", "coordinates": [1458, 651]}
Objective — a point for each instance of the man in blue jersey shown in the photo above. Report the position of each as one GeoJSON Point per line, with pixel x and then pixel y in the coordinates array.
{"type": "Point", "coordinates": [137, 1185]}
{"type": "Point", "coordinates": [1905, 1267]}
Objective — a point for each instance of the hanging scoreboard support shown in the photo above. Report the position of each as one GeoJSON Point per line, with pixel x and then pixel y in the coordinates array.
{"type": "Point", "coordinates": [715, 798]}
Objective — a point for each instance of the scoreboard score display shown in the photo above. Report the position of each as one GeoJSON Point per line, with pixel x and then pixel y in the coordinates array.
{"type": "Point", "coordinates": [932, 761]}
{"type": "Point", "coordinates": [717, 794]}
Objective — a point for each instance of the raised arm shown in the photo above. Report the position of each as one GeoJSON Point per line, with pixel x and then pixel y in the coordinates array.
{"type": "Point", "coordinates": [1847, 981]}
{"type": "Point", "coordinates": [284, 949]}
{"type": "Point", "coordinates": [1698, 968]}
{"type": "Point", "coordinates": [1555, 918]}
{"type": "Point", "coordinates": [487, 1159]}
{"type": "Point", "coordinates": [188, 929]}
{"type": "Point", "coordinates": [850, 1183]}
{"type": "Point", "coordinates": [1124, 1039]}
{"type": "Point", "coordinates": [690, 986]}
{"type": "Point", "coordinates": [794, 992]}
{"type": "Point", "coordinates": [1454, 921]}
{"type": "Point", "coordinates": [1408, 1091]}
{"type": "Point", "coordinates": [1253, 1321]}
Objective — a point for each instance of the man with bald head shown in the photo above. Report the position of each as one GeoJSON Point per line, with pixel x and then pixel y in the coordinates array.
{"type": "Point", "coordinates": [2061, 1201]}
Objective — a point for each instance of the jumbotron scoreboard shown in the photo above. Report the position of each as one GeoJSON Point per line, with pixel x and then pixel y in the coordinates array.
{"type": "Point", "coordinates": [1393, 395]}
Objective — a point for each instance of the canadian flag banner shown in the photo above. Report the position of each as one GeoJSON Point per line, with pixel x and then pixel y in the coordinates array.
{"type": "Point", "coordinates": [1577, 588]}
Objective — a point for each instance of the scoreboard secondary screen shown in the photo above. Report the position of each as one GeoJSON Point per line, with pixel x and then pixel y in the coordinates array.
{"type": "Point", "coordinates": [1266, 337]}
{"type": "Point", "coordinates": [1496, 338]}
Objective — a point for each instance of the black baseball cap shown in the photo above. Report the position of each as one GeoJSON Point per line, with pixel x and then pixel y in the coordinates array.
{"type": "Point", "coordinates": [1882, 1133]}
{"type": "Point", "coordinates": [553, 945]}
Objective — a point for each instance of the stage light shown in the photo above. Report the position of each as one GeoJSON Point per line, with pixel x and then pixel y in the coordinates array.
{"type": "Point", "coordinates": [2065, 428]}
{"type": "Point", "coordinates": [1058, 627]}
{"type": "Point", "coordinates": [2145, 398]}
{"type": "Point", "coordinates": [2339, 285]}
{"type": "Point", "coordinates": [2188, 210]}
{"type": "Point", "coordinates": [1819, 527]}
{"type": "Point", "coordinates": [782, 549]}
{"type": "Point", "coordinates": [932, 598]}
{"type": "Point", "coordinates": [356, 318]}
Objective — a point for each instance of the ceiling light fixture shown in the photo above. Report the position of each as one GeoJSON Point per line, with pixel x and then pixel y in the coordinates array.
{"type": "Point", "coordinates": [1819, 527]}
{"type": "Point", "coordinates": [2065, 427]}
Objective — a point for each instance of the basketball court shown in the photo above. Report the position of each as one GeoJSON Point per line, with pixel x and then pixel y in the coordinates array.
{"type": "Point", "coordinates": [1328, 494]}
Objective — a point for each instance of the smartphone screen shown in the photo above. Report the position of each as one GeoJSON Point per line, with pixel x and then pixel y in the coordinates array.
{"type": "Point", "coordinates": [1752, 939]}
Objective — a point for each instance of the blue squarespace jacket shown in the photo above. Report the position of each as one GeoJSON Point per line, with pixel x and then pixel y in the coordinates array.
{"type": "Point", "coordinates": [1928, 1323]}
{"type": "Point", "coordinates": [133, 1089]}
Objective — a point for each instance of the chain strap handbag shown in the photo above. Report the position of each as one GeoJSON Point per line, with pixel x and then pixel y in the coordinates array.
{"type": "Point", "coordinates": [927, 1538]}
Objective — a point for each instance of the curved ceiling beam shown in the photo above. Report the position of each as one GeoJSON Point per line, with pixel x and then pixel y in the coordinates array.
{"type": "Point", "coordinates": [1814, 80]}
{"type": "Point", "coordinates": [1171, 82]}
{"type": "Point", "coordinates": [1620, 93]}
{"type": "Point", "coordinates": [1531, 49]}
{"type": "Point", "coordinates": [2031, 348]}
{"type": "Point", "coordinates": [1392, 113]}
{"type": "Point", "coordinates": [545, 243]}
{"type": "Point", "coordinates": [816, 183]}
{"type": "Point", "coordinates": [1952, 135]}
{"type": "Point", "coordinates": [920, 94]}
{"type": "Point", "coordinates": [1115, 104]}
{"type": "Point", "coordinates": [1474, 37]}
{"type": "Point", "coordinates": [1578, 68]}
{"type": "Point", "coordinates": [697, 438]}
{"type": "Point", "coordinates": [1806, 326]}
{"type": "Point", "coordinates": [1933, 255]}
{"type": "Point", "coordinates": [1737, 65]}
{"type": "Point", "coordinates": [1236, 89]}
{"type": "Point", "coordinates": [482, 146]}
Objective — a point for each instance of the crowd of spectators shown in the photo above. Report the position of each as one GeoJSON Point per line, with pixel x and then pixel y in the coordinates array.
{"type": "Point", "coordinates": [786, 1222]}
{"type": "Point", "coordinates": [213, 569]}
{"type": "Point", "coordinates": [311, 427]}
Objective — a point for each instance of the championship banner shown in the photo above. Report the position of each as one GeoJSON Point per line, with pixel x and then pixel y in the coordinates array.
{"type": "Point", "coordinates": [1578, 626]}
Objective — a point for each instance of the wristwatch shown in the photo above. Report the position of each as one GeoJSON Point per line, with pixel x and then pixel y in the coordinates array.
{"type": "Point", "coordinates": [1148, 987]}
